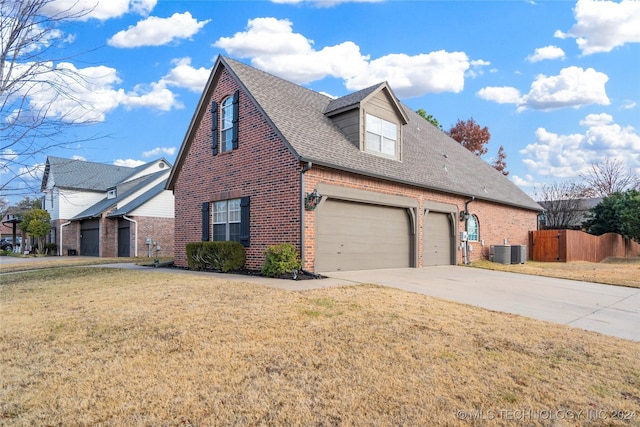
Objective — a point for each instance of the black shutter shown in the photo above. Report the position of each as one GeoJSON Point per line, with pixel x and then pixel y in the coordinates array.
{"type": "Point", "coordinates": [205, 221]}
{"type": "Point", "coordinates": [244, 221]}
{"type": "Point", "coordinates": [214, 127]}
{"type": "Point", "coordinates": [234, 132]}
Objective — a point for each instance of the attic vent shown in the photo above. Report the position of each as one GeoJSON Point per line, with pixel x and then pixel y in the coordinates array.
{"type": "Point", "coordinates": [161, 165]}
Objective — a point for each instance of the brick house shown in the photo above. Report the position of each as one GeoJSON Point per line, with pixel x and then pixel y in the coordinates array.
{"type": "Point", "coordinates": [357, 182]}
{"type": "Point", "coordinates": [107, 210]}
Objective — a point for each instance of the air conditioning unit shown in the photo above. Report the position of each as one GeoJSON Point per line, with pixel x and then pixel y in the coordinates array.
{"type": "Point", "coordinates": [500, 254]}
{"type": "Point", "coordinates": [518, 254]}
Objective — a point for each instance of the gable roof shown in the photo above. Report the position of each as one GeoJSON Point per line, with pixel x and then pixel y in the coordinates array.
{"type": "Point", "coordinates": [90, 176]}
{"type": "Point", "coordinates": [430, 158]}
{"type": "Point", "coordinates": [356, 99]}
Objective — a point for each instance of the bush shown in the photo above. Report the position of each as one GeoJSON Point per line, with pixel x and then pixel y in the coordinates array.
{"type": "Point", "coordinates": [50, 248]}
{"type": "Point", "coordinates": [280, 259]}
{"type": "Point", "coordinates": [222, 256]}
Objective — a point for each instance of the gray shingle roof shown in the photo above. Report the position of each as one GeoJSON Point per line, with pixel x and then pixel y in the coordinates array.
{"type": "Point", "coordinates": [430, 158]}
{"type": "Point", "coordinates": [83, 175]}
{"type": "Point", "coordinates": [351, 99]}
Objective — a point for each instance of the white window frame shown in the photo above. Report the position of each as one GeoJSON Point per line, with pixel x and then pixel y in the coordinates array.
{"type": "Point", "coordinates": [226, 212]}
{"type": "Point", "coordinates": [381, 136]}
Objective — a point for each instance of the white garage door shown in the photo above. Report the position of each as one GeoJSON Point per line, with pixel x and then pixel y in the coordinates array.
{"type": "Point", "coordinates": [437, 240]}
{"type": "Point", "coordinates": [360, 236]}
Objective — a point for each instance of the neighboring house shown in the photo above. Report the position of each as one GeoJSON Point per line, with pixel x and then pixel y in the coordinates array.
{"type": "Point", "coordinates": [357, 182]}
{"type": "Point", "coordinates": [106, 210]}
{"type": "Point", "coordinates": [566, 214]}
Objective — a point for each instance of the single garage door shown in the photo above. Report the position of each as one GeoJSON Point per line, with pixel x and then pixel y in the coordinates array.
{"type": "Point", "coordinates": [437, 240]}
{"type": "Point", "coordinates": [124, 239]}
{"type": "Point", "coordinates": [90, 237]}
{"type": "Point", "coordinates": [360, 236]}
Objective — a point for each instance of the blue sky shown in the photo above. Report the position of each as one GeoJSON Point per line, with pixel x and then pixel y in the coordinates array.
{"type": "Point", "coordinates": [556, 82]}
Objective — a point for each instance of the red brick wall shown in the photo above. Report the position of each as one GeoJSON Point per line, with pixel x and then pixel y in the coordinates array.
{"type": "Point", "coordinates": [261, 167]}
{"type": "Point", "coordinates": [496, 222]}
{"type": "Point", "coordinates": [160, 230]}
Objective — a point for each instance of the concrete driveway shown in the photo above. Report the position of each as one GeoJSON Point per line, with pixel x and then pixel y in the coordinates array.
{"type": "Point", "coordinates": [610, 310]}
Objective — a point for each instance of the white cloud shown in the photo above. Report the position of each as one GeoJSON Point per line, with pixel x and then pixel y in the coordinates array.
{"type": "Point", "coordinates": [547, 52]}
{"type": "Point", "coordinates": [602, 26]}
{"type": "Point", "coordinates": [629, 104]}
{"type": "Point", "coordinates": [596, 120]}
{"type": "Point", "coordinates": [567, 156]}
{"type": "Point", "coordinates": [83, 95]}
{"type": "Point", "coordinates": [185, 76]}
{"type": "Point", "coordinates": [84, 10]}
{"type": "Point", "coordinates": [131, 163]}
{"type": "Point", "coordinates": [527, 181]}
{"type": "Point", "coordinates": [273, 46]}
{"type": "Point", "coordinates": [169, 151]}
{"type": "Point", "coordinates": [155, 95]}
{"type": "Point", "coordinates": [155, 31]}
{"type": "Point", "coordinates": [501, 95]}
{"type": "Point", "coordinates": [573, 87]}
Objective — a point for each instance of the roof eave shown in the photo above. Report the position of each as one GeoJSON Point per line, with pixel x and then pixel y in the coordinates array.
{"type": "Point", "coordinates": [418, 185]}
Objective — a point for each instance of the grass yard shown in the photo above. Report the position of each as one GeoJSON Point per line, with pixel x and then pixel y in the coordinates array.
{"type": "Point", "coordinates": [96, 346]}
{"type": "Point", "coordinates": [615, 272]}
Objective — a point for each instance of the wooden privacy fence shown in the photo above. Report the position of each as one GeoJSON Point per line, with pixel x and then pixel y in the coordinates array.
{"type": "Point", "coordinates": [574, 245]}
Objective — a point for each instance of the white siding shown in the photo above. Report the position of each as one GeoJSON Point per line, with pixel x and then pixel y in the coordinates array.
{"type": "Point", "coordinates": [51, 203]}
{"type": "Point", "coordinates": [124, 202]}
{"type": "Point", "coordinates": [161, 206]}
{"type": "Point", "coordinates": [73, 202]}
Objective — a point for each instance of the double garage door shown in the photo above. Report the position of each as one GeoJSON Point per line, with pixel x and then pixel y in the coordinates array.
{"type": "Point", "coordinates": [363, 236]}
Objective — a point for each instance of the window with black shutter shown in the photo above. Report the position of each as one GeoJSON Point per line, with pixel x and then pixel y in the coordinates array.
{"type": "Point", "coordinates": [214, 127]}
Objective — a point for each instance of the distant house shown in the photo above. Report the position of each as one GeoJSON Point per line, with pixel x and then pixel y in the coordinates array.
{"type": "Point", "coordinates": [567, 213]}
{"type": "Point", "coordinates": [357, 182]}
{"type": "Point", "coordinates": [106, 210]}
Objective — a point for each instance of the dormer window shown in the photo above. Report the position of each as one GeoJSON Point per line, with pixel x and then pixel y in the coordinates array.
{"type": "Point", "coordinates": [381, 136]}
{"type": "Point", "coordinates": [111, 193]}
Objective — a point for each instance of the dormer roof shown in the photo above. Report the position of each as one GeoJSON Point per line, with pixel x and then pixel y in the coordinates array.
{"type": "Point", "coordinates": [357, 99]}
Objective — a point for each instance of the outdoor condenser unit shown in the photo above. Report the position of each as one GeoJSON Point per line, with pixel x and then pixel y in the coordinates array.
{"type": "Point", "coordinates": [518, 254]}
{"type": "Point", "coordinates": [501, 254]}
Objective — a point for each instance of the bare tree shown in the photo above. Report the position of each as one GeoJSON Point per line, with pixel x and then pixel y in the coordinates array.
{"type": "Point", "coordinates": [30, 39]}
{"type": "Point", "coordinates": [610, 176]}
{"type": "Point", "coordinates": [564, 204]}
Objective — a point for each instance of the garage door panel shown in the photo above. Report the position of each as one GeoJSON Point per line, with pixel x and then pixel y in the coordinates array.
{"type": "Point", "coordinates": [359, 236]}
{"type": "Point", "coordinates": [437, 239]}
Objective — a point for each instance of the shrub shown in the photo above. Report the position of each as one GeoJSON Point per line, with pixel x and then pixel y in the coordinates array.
{"type": "Point", "coordinates": [280, 259]}
{"type": "Point", "coordinates": [222, 256]}
{"type": "Point", "coordinates": [50, 248]}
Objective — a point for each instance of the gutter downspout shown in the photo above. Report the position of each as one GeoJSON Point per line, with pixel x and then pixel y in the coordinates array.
{"type": "Point", "coordinates": [304, 170]}
{"type": "Point", "coordinates": [135, 234]}
{"type": "Point", "coordinates": [466, 215]}
{"type": "Point", "coordinates": [60, 248]}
